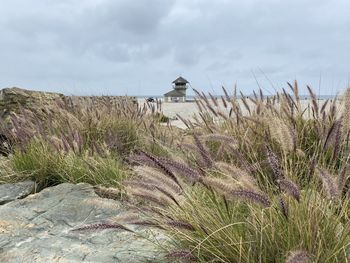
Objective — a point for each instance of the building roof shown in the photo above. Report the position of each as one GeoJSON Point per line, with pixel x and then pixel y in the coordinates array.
{"type": "Point", "coordinates": [175, 93]}
{"type": "Point", "coordinates": [180, 80]}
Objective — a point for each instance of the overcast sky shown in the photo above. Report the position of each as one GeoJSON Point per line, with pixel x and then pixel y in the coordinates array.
{"type": "Point", "coordinates": [138, 47]}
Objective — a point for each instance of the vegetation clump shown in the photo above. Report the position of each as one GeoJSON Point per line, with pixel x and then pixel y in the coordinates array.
{"type": "Point", "coordinates": [252, 179]}
{"type": "Point", "coordinates": [265, 179]}
{"type": "Point", "coordinates": [80, 141]}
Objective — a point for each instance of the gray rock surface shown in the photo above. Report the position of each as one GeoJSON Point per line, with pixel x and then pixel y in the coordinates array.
{"type": "Point", "coordinates": [39, 229]}
{"type": "Point", "coordinates": [10, 192]}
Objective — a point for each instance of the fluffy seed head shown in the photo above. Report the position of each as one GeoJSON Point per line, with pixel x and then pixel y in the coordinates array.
{"type": "Point", "coordinates": [101, 226]}
{"type": "Point", "coordinates": [329, 183]}
{"type": "Point", "coordinates": [290, 188]}
{"type": "Point", "coordinates": [231, 170]}
{"type": "Point", "coordinates": [158, 164]}
{"type": "Point", "coordinates": [274, 163]}
{"type": "Point", "coordinates": [146, 223]}
{"type": "Point", "coordinates": [283, 206]}
{"type": "Point", "coordinates": [181, 168]}
{"type": "Point", "coordinates": [346, 112]}
{"type": "Point", "coordinates": [252, 196]}
{"type": "Point", "coordinates": [207, 161]}
{"type": "Point", "coordinates": [220, 185]}
{"type": "Point", "coordinates": [180, 224]}
{"type": "Point", "coordinates": [282, 134]}
{"type": "Point", "coordinates": [153, 175]}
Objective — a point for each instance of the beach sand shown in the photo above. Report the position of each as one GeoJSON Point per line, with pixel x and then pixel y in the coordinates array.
{"type": "Point", "coordinates": [188, 109]}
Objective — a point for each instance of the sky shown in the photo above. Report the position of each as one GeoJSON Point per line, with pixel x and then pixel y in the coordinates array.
{"type": "Point", "coordinates": [138, 47]}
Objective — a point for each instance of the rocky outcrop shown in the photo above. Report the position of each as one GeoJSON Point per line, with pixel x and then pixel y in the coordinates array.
{"type": "Point", "coordinates": [10, 192]}
{"type": "Point", "coordinates": [43, 228]}
{"type": "Point", "coordinates": [11, 99]}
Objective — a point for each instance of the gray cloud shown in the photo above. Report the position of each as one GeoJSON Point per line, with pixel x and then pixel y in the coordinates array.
{"type": "Point", "coordinates": [139, 18]}
{"type": "Point", "coordinates": [139, 47]}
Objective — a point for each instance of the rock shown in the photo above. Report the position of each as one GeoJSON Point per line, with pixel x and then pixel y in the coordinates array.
{"type": "Point", "coordinates": [39, 229]}
{"type": "Point", "coordinates": [13, 99]}
{"type": "Point", "coordinates": [10, 192]}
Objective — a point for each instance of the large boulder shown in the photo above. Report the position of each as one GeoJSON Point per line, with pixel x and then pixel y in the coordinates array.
{"type": "Point", "coordinates": [42, 228]}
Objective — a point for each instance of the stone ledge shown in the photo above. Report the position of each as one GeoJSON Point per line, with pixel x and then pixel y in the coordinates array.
{"type": "Point", "coordinates": [38, 229]}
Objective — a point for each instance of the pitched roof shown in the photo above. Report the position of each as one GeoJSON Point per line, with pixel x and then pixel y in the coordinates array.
{"type": "Point", "coordinates": [175, 93]}
{"type": "Point", "coordinates": [180, 80]}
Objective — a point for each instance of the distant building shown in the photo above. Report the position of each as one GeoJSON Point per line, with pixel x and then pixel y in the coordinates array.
{"type": "Point", "coordinates": [178, 94]}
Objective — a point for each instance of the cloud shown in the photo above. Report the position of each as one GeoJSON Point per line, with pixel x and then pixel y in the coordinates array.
{"type": "Point", "coordinates": [139, 47]}
{"type": "Point", "coordinates": [139, 18]}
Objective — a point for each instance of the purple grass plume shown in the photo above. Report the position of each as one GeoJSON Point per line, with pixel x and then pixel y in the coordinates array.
{"type": "Point", "coordinates": [102, 226]}
{"type": "Point", "coordinates": [283, 206]}
{"type": "Point", "coordinates": [274, 163]}
{"type": "Point", "coordinates": [180, 224]}
{"type": "Point", "coordinates": [181, 168]}
{"type": "Point", "coordinates": [290, 188]}
{"type": "Point", "coordinates": [298, 256]}
{"type": "Point", "coordinates": [161, 166]}
{"type": "Point", "coordinates": [207, 160]}
{"type": "Point", "coordinates": [252, 196]}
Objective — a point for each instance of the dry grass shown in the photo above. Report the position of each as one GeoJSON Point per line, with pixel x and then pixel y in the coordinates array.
{"type": "Point", "coordinates": [271, 185]}
{"type": "Point", "coordinates": [82, 140]}
{"type": "Point", "coordinates": [252, 179]}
